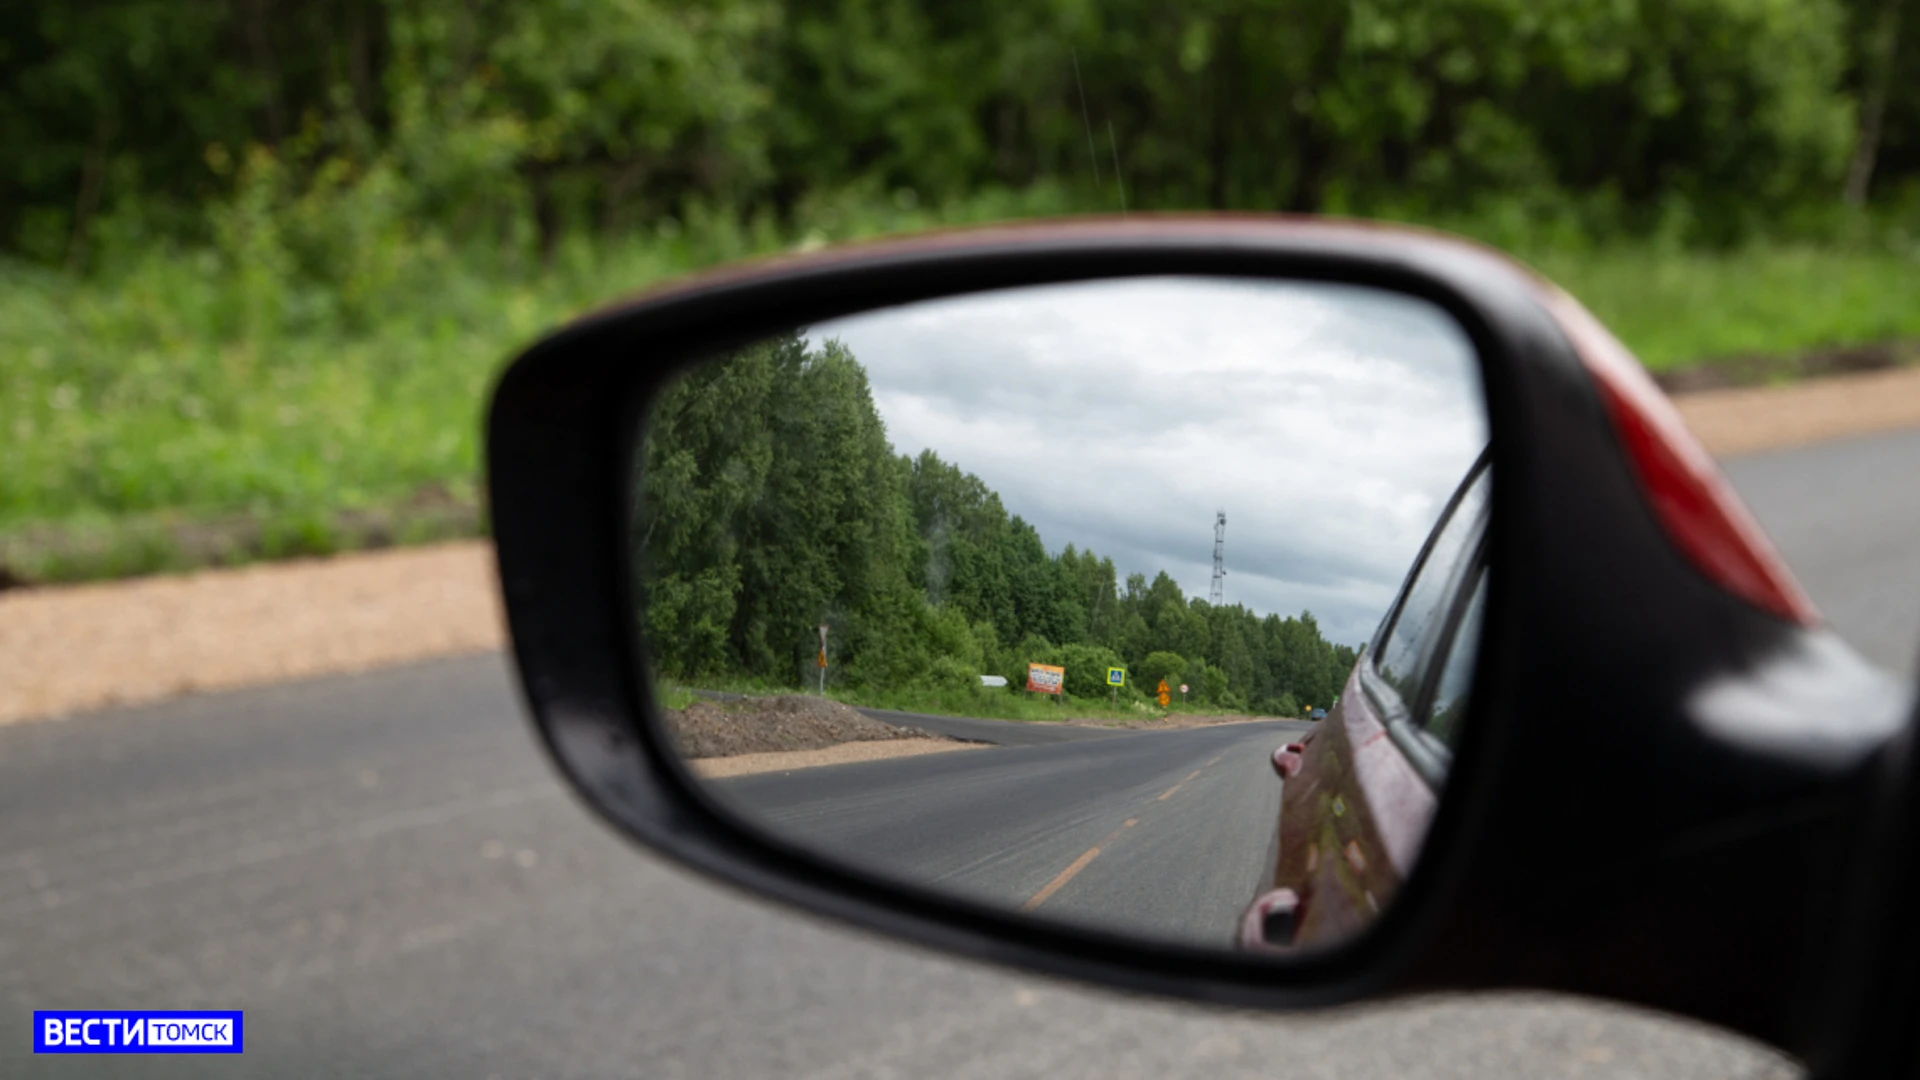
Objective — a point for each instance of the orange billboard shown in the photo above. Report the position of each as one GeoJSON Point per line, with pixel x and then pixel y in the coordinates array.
{"type": "Point", "coordinates": [1045, 678]}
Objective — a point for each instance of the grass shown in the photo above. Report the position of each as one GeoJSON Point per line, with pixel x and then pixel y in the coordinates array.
{"type": "Point", "coordinates": [186, 407]}
{"type": "Point", "coordinates": [987, 704]}
{"type": "Point", "coordinates": [671, 695]}
{"type": "Point", "coordinates": [982, 702]}
{"type": "Point", "coordinates": [1679, 308]}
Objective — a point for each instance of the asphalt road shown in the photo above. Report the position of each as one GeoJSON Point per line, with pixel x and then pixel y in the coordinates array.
{"type": "Point", "coordinates": [387, 877]}
{"type": "Point", "coordinates": [1162, 833]}
{"type": "Point", "coordinates": [383, 872]}
{"type": "Point", "coordinates": [1847, 517]}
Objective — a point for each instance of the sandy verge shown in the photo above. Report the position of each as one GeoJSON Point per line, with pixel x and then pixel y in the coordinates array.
{"type": "Point", "coordinates": [782, 760]}
{"type": "Point", "coordinates": [1752, 419]}
{"type": "Point", "coordinates": [69, 648]}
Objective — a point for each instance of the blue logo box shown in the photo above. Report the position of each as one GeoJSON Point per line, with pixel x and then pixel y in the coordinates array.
{"type": "Point", "coordinates": [139, 1031]}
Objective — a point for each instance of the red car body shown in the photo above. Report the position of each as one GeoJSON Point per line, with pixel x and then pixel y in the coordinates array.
{"type": "Point", "coordinates": [1362, 787]}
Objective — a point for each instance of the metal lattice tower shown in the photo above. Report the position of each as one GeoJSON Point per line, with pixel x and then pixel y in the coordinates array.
{"type": "Point", "coordinates": [1218, 593]}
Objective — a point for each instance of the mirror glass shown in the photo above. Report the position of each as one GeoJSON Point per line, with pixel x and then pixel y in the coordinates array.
{"type": "Point", "coordinates": [1147, 605]}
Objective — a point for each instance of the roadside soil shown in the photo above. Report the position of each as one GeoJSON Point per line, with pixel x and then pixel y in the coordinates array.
{"type": "Point", "coordinates": [790, 722]}
{"type": "Point", "coordinates": [783, 760]}
{"type": "Point", "coordinates": [68, 648]}
{"type": "Point", "coordinates": [1746, 420]}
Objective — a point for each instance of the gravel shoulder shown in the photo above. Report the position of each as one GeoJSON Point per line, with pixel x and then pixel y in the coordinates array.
{"type": "Point", "coordinates": [1748, 420]}
{"type": "Point", "coordinates": [68, 649]}
{"type": "Point", "coordinates": [845, 753]}
{"type": "Point", "coordinates": [782, 724]}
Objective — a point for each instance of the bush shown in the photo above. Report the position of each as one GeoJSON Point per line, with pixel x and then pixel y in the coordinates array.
{"type": "Point", "coordinates": [1087, 668]}
{"type": "Point", "coordinates": [1160, 665]}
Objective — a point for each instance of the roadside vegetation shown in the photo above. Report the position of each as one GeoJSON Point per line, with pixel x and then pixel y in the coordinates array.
{"type": "Point", "coordinates": [770, 501]}
{"type": "Point", "coordinates": [259, 261]}
{"type": "Point", "coordinates": [981, 702]}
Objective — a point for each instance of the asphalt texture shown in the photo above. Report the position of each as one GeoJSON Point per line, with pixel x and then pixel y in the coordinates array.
{"type": "Point", "coordinates": [1165, 834]}
{"type": "Point", "coordinates": [387, 876]}
{"type": "Point", "coordinates": [1847, 517]}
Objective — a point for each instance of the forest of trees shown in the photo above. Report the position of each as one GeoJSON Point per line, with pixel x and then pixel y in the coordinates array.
{"type": "Point", "coordinates": [771, 501]}
{"type": "Point", "coordinates": [121, 120]}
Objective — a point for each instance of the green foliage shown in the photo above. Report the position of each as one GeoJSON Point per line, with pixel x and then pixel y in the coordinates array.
{"type": "Point", "coordinates": [1087, 666]}
{"type": "Point", "coordinates": [524, 121]}
{"type": "Point", "coordinates": [770, 502]}
{"type": "Point", "coordinates": [1161, 665]}
{"type": "Point", "coordinates": [1677, 308]}
{"type": "Point", "coordinates": [968, 701]}
{"type": "Point", "coordinates": [261, 258]}
{"type": "Point", "coordinates": [769, 480]}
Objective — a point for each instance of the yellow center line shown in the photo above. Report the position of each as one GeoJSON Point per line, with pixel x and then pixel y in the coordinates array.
{"type": "Point", "coordinates": [1216, 758]}
{"type": "Point", "coordinates": [1093, 852]}
{"type": "Point", "coordinates": [1064, 876]}
{"type": "Point", "coordinates": [1078, 865]}
{"type": "Point", "coordinates": [1177, 787]}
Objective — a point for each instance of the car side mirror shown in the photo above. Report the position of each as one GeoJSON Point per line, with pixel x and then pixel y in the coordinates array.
{"type": "Point", "coordinates": [798, 555]}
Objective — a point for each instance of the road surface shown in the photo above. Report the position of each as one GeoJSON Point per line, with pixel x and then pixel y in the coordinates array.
{"type": "Point", "coordinates": [1847, 516]}
{"type": "Point", "coordinates": [1167, 833]}
{"type": "Point", "coordinates": [385, 875]}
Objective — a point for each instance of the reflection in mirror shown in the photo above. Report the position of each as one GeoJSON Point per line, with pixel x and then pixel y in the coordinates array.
{"type": "Point", "coordinates": [1060, 599]}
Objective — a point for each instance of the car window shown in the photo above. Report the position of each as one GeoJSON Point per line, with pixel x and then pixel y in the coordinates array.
{"type": "Point", "coordinates": [1427, 601]}
{"type": "Point", "coordinates": [1456, 674]}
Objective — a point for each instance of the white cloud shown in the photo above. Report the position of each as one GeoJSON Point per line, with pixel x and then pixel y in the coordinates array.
{"type": "Point", "coordinates": [1329, 422]}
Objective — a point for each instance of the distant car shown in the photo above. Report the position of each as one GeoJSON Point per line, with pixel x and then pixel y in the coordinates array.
{"type": "Point", "coordinates": [1318, 714]}
{"type": "Point", "coordinates": [1361, 790]}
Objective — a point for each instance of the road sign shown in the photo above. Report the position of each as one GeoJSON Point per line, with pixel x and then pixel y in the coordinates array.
{"type": "Point", "coordinates": [1165, 697]}
{"type": "Point", "coordinates": [1183, 688]}
{"type": "Point", "coordinates": [1045, 678]}
{"type": "Point", "coordinates": [1116, 676]}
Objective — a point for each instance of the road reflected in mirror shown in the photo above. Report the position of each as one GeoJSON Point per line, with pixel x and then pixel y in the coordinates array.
{"type": "Point", "coordinates": [1147, 605]}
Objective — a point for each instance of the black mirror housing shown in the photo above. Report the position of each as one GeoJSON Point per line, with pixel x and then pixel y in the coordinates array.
{"type": "Point", "coordinates": [1621, 819]}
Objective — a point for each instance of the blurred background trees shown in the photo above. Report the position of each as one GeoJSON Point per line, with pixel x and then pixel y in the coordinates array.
{"type": "Point", "coordinates": [520, 122]}
{"type": "Point", "coordinates": [259, 259]}
{"type": "Point", "coordinates": [772, 501]}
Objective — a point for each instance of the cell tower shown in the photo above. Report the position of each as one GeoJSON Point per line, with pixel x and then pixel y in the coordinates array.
{"type": "Point", "coordinates": [1218, 593]}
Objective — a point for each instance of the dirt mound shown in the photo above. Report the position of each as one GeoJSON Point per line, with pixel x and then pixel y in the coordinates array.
{"type": "Point", "coordinates": [712, 729]}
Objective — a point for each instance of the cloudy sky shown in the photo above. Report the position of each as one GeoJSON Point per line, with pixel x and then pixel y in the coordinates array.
{"type": "Point", "coordinates": [1329, 422]}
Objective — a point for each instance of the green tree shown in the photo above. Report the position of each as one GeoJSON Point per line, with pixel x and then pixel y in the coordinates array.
{"type": "Point", "coordinates": [1160, 665]}
{"type": "Point", "coordinates": [1087, 668]}
{"type": "Point", "coordinates": [501, 121]}
{"type": "Point", "coordinates": [770, 502]}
